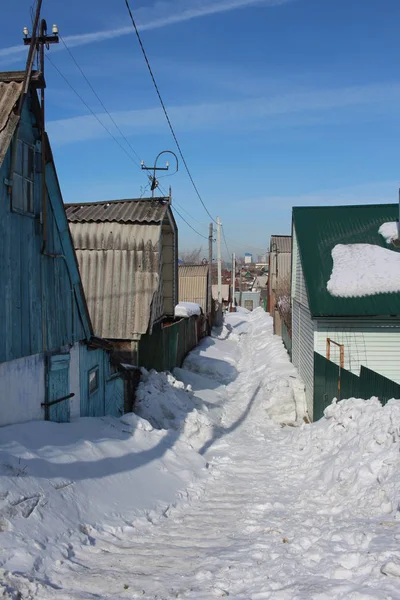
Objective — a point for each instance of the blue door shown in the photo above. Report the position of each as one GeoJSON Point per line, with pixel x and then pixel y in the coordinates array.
{"type": "Point", "coordinates": [92, 382]}
{"type": "Point", "coordinates": [58, 388]}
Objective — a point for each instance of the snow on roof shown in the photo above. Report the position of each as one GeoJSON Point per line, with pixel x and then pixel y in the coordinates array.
{"type": "Point", "coordinates": [187, 309]}
{"type": "Point", "coordinates": [363, 270]}
{"type": "Point", "coordinates": [390, 231]}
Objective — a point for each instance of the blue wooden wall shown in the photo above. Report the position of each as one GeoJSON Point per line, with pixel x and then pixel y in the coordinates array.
{"type": "Point", "coordinates": [109, 397]}
{"type": "Point", "coordinates": [41, 303]}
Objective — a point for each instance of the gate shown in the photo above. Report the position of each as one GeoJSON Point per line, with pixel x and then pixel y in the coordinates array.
{"type": "Point", "coordinates": [57, 388]}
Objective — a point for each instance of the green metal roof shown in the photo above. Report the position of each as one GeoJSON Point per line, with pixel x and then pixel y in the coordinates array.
{"type": "Point", "coordinates": [318, 230]}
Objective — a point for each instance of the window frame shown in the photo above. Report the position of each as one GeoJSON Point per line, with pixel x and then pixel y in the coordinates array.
{"type": "Point", "coordinates": [24, 173]}
{"type": "Point", "coordinates": [96, 372]}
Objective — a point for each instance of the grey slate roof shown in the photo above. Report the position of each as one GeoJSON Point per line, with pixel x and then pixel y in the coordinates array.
{"type": "Point", "coordinates": [149, 210]}
{"type": "Point", "coordinates": [282, 243]}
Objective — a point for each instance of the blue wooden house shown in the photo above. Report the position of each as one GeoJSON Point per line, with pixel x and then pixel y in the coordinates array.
{"type": "Point", "coordinates": [51, 365]}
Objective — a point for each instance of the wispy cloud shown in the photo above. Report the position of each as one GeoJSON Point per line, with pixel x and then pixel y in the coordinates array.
{"type": "Point", "coordinates": [301, 108]}
{"type": "Point", "coordinates": [373, 192]}
{"type": "Point", "coordinates": [161, 14]}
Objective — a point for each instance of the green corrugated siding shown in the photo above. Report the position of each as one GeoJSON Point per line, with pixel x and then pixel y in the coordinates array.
{"type": "Point", "coordinates": [318, 230]}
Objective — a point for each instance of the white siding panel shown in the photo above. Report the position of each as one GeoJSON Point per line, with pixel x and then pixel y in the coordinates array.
{"type": "Point", "coordinates": [294, 265]}
{"type": "Point", "coordinates": [299, 290]}
{"type": "Point", "coordinates": [374, 344]}
{"type": "Point", "coordinates": [303, 349]}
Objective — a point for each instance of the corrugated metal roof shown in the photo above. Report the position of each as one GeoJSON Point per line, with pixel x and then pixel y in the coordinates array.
{"type": "Point", "coordinates": [318, 230]}
{"type": "Point", "coordinates": [151, 210]}
{"type": "Point", "coordinates": [280, 243]}
{"type": "Point", "coordinates": [193, 284]}
{"type": "Point", "coordinates": [119, 266]}
{"type": "Point", "coordinates": [9, 95]}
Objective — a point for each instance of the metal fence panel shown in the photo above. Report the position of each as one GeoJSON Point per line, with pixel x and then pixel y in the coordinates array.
{"type": "Point", "coordinates": [167, 346]}
{"type": "Point", "coordinates": [332, 382]}
{"type": "Point", "coordinates": [373, 384]}
{"type": "Point", "coordinates": [286, 338]}
{"type": "Point", "coordinates": [326, 384]}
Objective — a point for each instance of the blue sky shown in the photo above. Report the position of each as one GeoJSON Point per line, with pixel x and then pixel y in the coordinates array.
{"type": "Point", "coordinates": [276, 103]}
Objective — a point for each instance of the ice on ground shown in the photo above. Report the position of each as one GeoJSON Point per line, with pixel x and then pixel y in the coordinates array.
{"type": "Point", "coordinates": [187, 309]}
{"type": "Point", "coordinates": [363, 270]}
{"type": "Point", "coordinates": [390, 231]}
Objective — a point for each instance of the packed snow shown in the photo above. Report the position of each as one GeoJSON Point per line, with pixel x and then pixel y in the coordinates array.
{"type": "Point", "coordinates": [363, 270]}
{"type": "Point", "coordinates": [187, 309]}
{"type": "Point", "coordinates": [216, 488]}
{"type": "Point", "coordinates": [390, 231]}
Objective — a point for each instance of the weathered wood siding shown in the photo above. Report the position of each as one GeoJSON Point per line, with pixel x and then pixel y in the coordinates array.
{"type": "Point", "coordinates": [38, 310]}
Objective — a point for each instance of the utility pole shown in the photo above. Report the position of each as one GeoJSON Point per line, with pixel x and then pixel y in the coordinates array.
{"type": "Point", "coordinates": [219, 260]}
{"type": "Point", "coordinates": [233, 278]}
{"type": "Point", "coordinates": [37, 43]}
{"type": "Point", "coordinates": [210, 268]}
{"type": "Point", "coordinates": [154, 168]}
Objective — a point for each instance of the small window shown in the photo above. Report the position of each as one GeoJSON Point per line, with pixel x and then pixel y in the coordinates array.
{"type": "Point", "coordinates": [248, 304]}
{"type": "Point", "coordinates": [22, 191]}
{"type": "Point", "coordinates": [93, 380]}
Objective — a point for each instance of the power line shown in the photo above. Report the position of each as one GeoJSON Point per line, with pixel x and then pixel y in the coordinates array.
{"type": "Point", "coordinates": [188, 224]}
{"type": "Point", "coordinates": [165, 111]}
{"type": "Point", "coordinates": [189, 215]}
{"type": "Point", "coordinates": [93, 113]}
{"type": "Point", "coordinates": [99, 99]}
{"type": "Point", "coordinates": [111, 134]}
{"type": "Point", "coordinates": [226, 245]}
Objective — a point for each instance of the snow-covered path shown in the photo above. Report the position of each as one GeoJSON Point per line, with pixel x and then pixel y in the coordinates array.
{"type": "Point", "coordinates": [285, 512]}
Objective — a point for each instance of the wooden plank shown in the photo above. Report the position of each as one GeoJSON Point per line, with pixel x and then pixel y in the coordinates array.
{"type": "Point", "coordinates": [67, 247]}
{"type": "Point", "coordinates": [58, 387]}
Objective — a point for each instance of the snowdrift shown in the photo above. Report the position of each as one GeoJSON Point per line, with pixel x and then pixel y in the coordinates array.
{"type": "Point", "coordinates": [323, 500]}
{"type": "Point", "coordinates": [352, 456]}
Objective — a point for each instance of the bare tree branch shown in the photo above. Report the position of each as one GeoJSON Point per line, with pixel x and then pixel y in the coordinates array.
{"type": "Point", "coordinates": [192, 257]}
